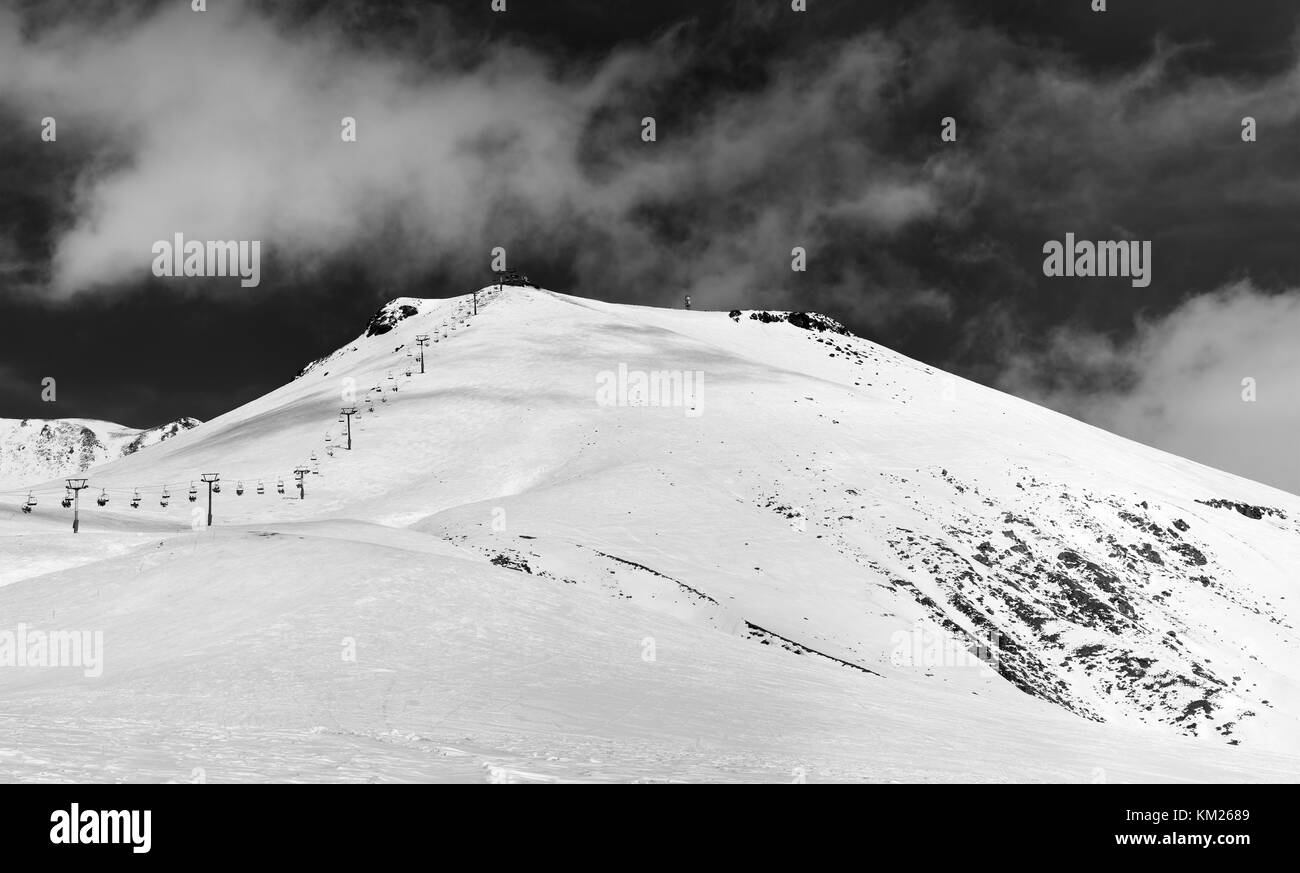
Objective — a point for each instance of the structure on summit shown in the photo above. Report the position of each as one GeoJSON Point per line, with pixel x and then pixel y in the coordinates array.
{"type": "Point", "coordinates": [514, 277]}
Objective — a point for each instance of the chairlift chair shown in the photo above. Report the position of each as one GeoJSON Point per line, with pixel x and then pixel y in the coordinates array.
{"type": "Point", "coordinates": [66, 502]}
{"type": "Point", "coordinates": [31, 501]}
{"type": "Point", "coordinates": [194, 493]}
{"type": "Point", "coordinates": [280, 486]}
{"type": "Point", "coordinates": [239, 488]}
{"type": "Point", "coordinates": [261, 489]}
{"type": "Point", "coordinates": [102, 500]}
{"type": "Point", "coordinates": [135, 500]}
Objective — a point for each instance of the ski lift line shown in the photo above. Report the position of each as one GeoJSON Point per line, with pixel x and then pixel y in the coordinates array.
{"type": "Point", "coordinates": [183, 483]}
{"type": "Point", "coordinates": [128, 489]}
{"type": "Point", "coordinates": [123, 489]}
{"type": "Point", "coordinates": [113, 490]}
{"type": "Point", "coordinates": [164, 495]}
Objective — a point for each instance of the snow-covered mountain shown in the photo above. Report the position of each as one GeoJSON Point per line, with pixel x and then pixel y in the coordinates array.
{"type": "Point", "coordinates": [37, 449]}
{"type": "Point", "coordinates": [596, 541]}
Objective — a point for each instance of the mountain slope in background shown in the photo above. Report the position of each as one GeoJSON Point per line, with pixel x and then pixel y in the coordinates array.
{"type": "Point", "coordinates": [605, 541]}
{"type": "Point", "coordinates": [36, 449]}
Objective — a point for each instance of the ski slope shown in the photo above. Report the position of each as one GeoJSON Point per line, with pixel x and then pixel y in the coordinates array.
{"type": "Point", "coordinates": [774, 570]}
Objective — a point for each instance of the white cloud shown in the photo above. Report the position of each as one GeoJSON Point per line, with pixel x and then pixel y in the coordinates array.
{"type": "Point", "coordinates": [1179, 383]}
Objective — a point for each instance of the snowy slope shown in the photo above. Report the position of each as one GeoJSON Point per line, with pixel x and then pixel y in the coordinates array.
{"type": "Point", "coordinates": [775, 565]}
{"type": "Point", "coordinates": [35, 449]}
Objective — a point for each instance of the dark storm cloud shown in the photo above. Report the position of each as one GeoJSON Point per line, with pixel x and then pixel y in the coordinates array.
{"type": "Point", "coordinates": [775, 130]}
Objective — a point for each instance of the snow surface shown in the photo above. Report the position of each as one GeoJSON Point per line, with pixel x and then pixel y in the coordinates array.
{"type": "Point", "coordinates": [542, 587]}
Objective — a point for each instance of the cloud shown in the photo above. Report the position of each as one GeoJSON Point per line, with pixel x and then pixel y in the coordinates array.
{"type": "Point", "coordinates": [1184, 382]}
{"type": "Point", "coordinates": [230, 130]}
{"type": "Point", "coordinates": [222, 126]}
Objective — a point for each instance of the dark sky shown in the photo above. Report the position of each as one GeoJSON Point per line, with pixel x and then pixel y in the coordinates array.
{"type": "Point", "coordinates": [775, 129]}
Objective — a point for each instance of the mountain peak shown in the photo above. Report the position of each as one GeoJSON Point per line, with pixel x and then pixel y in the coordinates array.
{"type": "Point", "coordinates": [782, 483]}
{"type": "Point", "coordinates": [36, 450]}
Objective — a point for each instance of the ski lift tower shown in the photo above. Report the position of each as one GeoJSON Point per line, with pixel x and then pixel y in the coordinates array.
{"type": "Point", "coordinates": [422, 340]}
{"type": "Point", "coordinates": [211, 479]}
{"type": "Point", "coordinates": [346, 414]}
{"type": "Point", "coordinates": [76, 486]}
{"type": "Point", "coordinates": [301, 473]}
